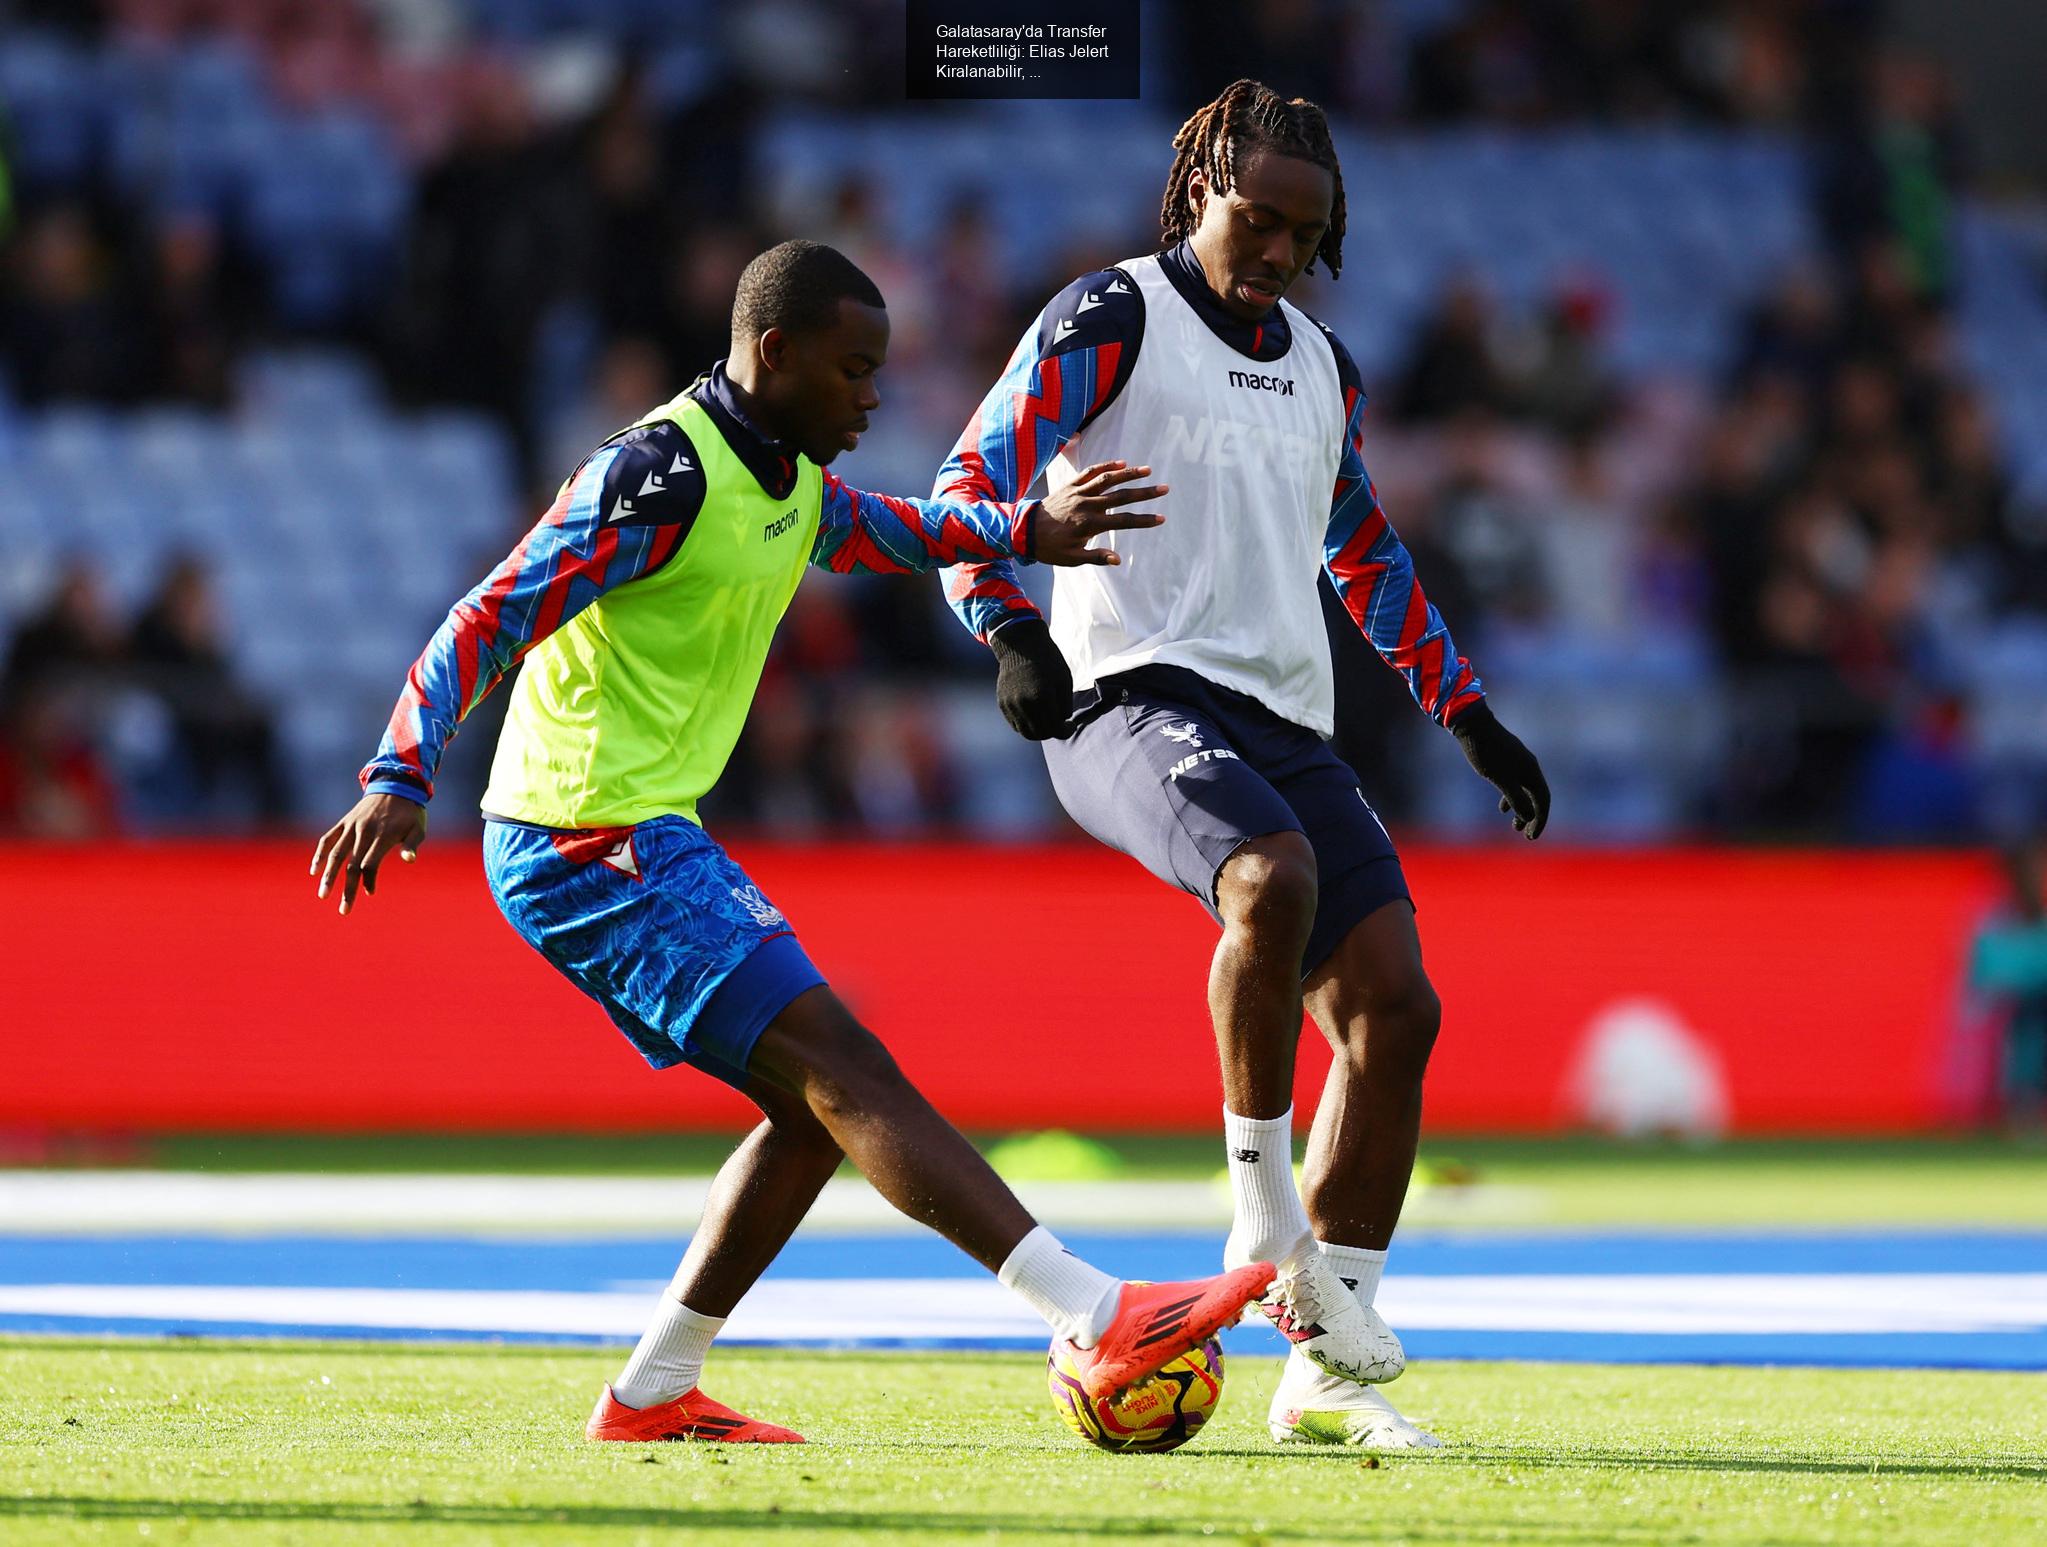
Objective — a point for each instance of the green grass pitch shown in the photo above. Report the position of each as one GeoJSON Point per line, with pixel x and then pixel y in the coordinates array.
{"type": "Point", "coordinates": [361, 1443]}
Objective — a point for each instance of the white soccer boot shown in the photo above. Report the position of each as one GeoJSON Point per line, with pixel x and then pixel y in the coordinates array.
{"type": "Point", "coordinates": [1315, 1408]}
{"type": "Point", "coordinates": [1316, 1311]}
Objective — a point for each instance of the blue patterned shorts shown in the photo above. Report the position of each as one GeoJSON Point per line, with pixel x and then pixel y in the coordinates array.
{"type": "Point", "coordinates": [657, 924]}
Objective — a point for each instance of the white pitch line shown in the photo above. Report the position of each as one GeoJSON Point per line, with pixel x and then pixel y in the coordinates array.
{"type": "Point", "coordinates": [191, 1202]}
{"type": "Point", "coordinates": [968, 1309]}
{"type": "Point", "coordinates": [1823, 1303]}
{"type": "Point", "coordinates": [168, 1202]}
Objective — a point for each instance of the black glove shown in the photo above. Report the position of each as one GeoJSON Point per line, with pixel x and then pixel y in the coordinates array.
{"type": "Point", "coordinates": [1508, 766]}
{"type": "Point", "coordinates": [1032, 682]}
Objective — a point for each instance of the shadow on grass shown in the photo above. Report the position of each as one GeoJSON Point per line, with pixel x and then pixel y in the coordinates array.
{"type": "Point", "coordinates": [1736, 1463]}
{"type": "Point", "coordinates": [948, 1526]}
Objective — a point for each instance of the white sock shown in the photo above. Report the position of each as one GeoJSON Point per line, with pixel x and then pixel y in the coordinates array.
{"type": "Point", "coordinates": [670, 1356]}
{"type": "Point", "coordinates": [1357, 1266]}
{"type": "Point", "coordinates": [1271, 1226]}
{"type": "Point", "coordinates": [1077, 1298]}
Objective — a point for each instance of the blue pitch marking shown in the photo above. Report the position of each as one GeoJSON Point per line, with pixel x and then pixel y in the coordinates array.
{"type": "Point", "coordinates": [415, 1262]}
{"type": "Point", "coordinates": [406, 1262]}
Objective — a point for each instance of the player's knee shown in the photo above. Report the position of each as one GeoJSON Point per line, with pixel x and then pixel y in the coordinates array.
{"type": "Point", "coordinates": [1270, 887]}
{"type": "Point", "coordinates": [849, 1072]}
{"type": "Point", "coordinates": [1392, 1029]}
{"type": "Point", "coordinates": [1400, 1030]}
{"type": "Point", "coordinates": [793, 1128]}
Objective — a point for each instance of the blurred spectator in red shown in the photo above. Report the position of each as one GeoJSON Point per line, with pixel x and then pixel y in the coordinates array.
{"type": "Point", "coordinates": [225, 740]}
{"type": "Point", "coordinates": [52, 784]}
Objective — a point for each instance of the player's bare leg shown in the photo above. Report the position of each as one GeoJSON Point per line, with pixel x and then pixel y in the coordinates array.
{"type": "Point", "coordinates": [1266, 893]}
{"type": "Point", "coordinates": [1374, 1002]}
{"type": "Point", "coordinates": [756, 1201]}
{"type": "Point", "coordinates": [829, 1090]}
{"type": "Point", "coordinates": [759, 1197]}
{"type": "Point", "coordinates": [817, 1051]}
{"type": "Point", "coordinates": [1115, 1333]}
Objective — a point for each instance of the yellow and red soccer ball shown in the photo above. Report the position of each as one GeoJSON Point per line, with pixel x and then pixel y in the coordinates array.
{"type": "Point", "coordinates": [1162, 1413]}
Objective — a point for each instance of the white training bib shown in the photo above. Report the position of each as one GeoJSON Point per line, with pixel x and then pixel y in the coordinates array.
{"type": "Point", "coordinates": [1250, 448]}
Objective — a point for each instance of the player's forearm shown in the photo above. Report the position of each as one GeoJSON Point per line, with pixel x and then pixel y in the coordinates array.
{"type": "Point", "coordinates": [1412, 638]}
{"type": "Point", "coordinates": [455, 672]}
{"type": "Point", "coordinates": [889, 534]}
{"type": "Point", "coordinates": [986, 596]}
{"type": "Point", "coordinates": [1374, 578]}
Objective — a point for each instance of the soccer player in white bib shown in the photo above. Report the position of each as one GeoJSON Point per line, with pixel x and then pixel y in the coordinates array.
{"type": "Point", "coordinates": [1185, 698]}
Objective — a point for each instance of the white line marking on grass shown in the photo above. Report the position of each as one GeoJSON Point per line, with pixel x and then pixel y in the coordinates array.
{"type": "Point", "coordinates": [180, 1202]}
{"type": "Point", "coordinates": [1735, 1303]}
{"type": "Point", "coordinates": [183, 1202]}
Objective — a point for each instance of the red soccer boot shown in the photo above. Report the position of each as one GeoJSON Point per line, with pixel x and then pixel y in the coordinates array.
{"type": "Point", "coordinates": [1156, 1323]}
{"type": "Point", "coordinates": [691, 1416]}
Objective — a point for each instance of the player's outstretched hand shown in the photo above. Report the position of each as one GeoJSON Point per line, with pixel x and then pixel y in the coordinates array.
{"type": "Point", "coordinates": [1033, 684]}
{"type": "Point", "coordinates": [355, 846]}
{"type": "Point", "coordinates": [1508, 766]}
{"type": "Point", "coordinates": [1093, 503]}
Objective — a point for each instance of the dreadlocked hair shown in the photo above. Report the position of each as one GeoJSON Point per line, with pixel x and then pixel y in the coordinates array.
{"type": "Point", "coordinates": [1250, 116]}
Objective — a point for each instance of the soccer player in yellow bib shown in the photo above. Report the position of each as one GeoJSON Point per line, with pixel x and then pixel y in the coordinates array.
{"type": "Point", "coordinates": [643, 604]}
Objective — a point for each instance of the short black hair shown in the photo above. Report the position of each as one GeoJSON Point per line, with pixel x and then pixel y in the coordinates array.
{"type": "Point", "coordinates": [797, 287]}
{"type": "Point", "coordinates": [1250, 115]}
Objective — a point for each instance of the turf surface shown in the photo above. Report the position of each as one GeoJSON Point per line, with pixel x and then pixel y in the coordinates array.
{"type": "Point", "coordinates": [364, 1443]}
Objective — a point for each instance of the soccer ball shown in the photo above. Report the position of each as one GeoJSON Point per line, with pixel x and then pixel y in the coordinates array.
{"type": "Point", "coordinates": [1162, 1413]}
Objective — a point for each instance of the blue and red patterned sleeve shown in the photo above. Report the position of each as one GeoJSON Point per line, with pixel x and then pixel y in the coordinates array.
{"type": "Point", "coordinates": [887, 534]}
{"type": "Point", "coordinates": [621, 515]}
{"type": "Point", "coordinates": [1065, 371]}
{"type": "Point", "coordinates": [1374, 575]}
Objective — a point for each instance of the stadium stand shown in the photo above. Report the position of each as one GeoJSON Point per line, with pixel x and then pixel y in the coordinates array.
{"type": "Point", "coordinates": [1622, 362]}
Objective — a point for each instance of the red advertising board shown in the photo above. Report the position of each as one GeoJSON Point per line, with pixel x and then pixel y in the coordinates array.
{"type": "Point", "coordinates": [201, 986]}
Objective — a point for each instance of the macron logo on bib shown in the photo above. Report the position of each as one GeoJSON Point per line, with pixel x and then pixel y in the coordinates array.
{"type": "Point", "coordinates": [1251, 379]}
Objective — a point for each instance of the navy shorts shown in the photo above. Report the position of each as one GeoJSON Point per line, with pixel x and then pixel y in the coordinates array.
{"type": "Point", "coordinates": [1178, 773]}
{"type": "Point", "coordinates": [660, 926]}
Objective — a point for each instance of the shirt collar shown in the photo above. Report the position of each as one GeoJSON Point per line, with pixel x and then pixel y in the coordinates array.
{"type": "Point", "coordinates": [1266, 339]}
{"type": "Point", "coordinates": [772, 462]}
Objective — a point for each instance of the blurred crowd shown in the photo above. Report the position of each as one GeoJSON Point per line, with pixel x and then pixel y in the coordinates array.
{"type": "Point", "coordinates": [106, 721]}
{"type": "Point", "coordinates": [1827, 527]}
{"type": "Point", "coordinates": [1832, 525]}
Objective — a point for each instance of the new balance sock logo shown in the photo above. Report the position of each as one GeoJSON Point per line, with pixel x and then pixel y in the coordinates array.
{"type": "Point", "coordinates": [1249, 1157]}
